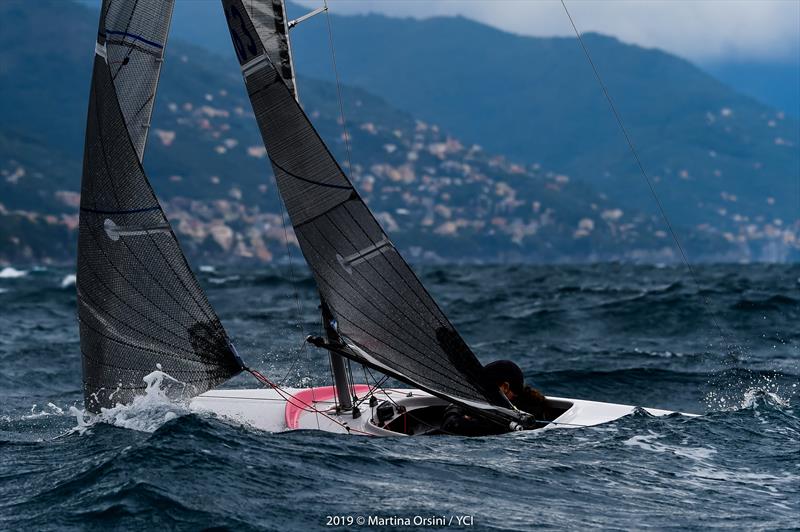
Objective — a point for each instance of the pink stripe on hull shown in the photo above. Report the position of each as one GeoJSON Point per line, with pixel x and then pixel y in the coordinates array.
{"type": "Point", "coordinates": [296, 404]}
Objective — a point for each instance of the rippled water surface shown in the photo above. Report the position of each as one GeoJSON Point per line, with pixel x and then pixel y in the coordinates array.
{"type": "Point", "coordinates": [628, 334]}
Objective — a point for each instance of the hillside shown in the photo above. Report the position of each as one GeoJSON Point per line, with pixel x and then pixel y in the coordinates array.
{"type": "Point", "coordinates": [439, 196]}
{"type": "Point", "coordinates": [719, 158]}
{"type": "Point", "coordinates": [536, 100]}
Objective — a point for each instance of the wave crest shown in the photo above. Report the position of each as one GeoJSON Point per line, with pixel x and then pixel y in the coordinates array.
{"type": "Point", "coordinates": [147, 413]}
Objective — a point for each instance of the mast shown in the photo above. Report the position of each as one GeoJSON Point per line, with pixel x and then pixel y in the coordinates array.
{"type": "Point", "coordinates": [384, 317]}
{"type": "Point", "coordinates": [272, 27]}
{"type": "Point", "coordinates": [340, 378]}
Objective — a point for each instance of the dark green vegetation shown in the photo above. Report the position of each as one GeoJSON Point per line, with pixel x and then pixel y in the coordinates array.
{"type": "Point", "coordinates": [726, 167]}
{"type": "Point", "coordinates": [776, 83]}
{"type": "Point", "coordinates": [536, 100]}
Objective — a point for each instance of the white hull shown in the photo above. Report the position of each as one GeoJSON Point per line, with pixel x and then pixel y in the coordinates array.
{"type": "Point", "coordinates": [268, 409]}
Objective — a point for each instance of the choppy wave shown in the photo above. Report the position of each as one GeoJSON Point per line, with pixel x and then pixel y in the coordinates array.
{"type": "Point", "coordinates": [12, 273]}
{"type": "Point", "coordinates": [618, 333]}
{"type": "Point", "coordinates": [68, 280]}
{"type": "Point", "coordinates": [146, 413]}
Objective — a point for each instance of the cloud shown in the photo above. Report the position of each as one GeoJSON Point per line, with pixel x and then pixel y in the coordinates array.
{"type": "Point", "coordinates": [701, 30]}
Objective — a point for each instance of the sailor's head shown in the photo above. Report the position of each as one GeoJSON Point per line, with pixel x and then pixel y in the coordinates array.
{"type": "Point", "coordinates": [507, 376]}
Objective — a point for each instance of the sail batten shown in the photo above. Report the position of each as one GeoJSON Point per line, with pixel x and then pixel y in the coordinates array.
{"type": "Point", "coordinates": [140, 307]}
{"type": "Point", "coordinates": [380, 306]}
{"type": "Point", "coordinates": [133, 36]}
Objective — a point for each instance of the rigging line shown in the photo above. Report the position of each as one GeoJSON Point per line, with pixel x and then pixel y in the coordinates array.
{"type": "Point", "coordinates": [293, 281]}
{"type": "Point", "coordinates": [338, 86]}
{"type": "Point", "coordinates": [359, 289]}
{"type": "Point", "coordinates": [351, 383]}
{"type": "Point", "coordinates": [333, 383]}
{"type": "Point", "coordinates": [650, 185]}
{"type": "Point", "coordinates": [378, 325]}
{"type": "Point", "coordinates": [436, 312]}
{"type": "Point", "coordinates": [294, 362]}
{"type": "Point", "coordinates": [325, 147]}
{"type": "Point", "coordinates": [289, 397]}
{"type": "Point", "coordinates": [372, 389]}
{"type": "Point", "coordinates": [407, 413]}
{"type": "Point", "coordinates": [406, 374]}
{"type": "Point", "coordinates": [389, 397]}
{"type": "Point", "coordinates": [127, 27]}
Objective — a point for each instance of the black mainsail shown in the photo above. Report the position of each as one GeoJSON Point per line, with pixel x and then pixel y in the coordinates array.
{"type": "Point", "coordinates": [140, 307]}
{"type": "Point", "coordinates": [385, 316]}
{"type": "Point", "coordinates": [271, 25]}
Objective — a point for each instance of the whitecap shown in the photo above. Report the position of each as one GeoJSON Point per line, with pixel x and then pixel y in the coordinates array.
{"type": "Point", "coordinates": [49, 410]}
{"type": "Point", "coordinates": [146, 413]}
{"type": "Point", "coordinates": [754, 395]}
{"type": "Point", "coordinates": [205, 268]}
{"type": "Point", "coordinates": [763, 389]}
{"type": "Point", "coordinates": [68, 280]}
{"type": "Point", "coordinates": [649, 442]}
{"type": "Point", "coordinates": [223, 280]}
{"type": "Point", "coordinates": [12, 273]}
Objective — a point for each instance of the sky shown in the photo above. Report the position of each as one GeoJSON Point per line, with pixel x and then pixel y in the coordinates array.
{"type": "Point", "coordinates": [704, 31]}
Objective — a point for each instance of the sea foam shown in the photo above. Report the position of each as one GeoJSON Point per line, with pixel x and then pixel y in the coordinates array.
{"type": "Point", "coordinates": [12, 273]}
{"type": "Point", "coordinates": [146, 413]}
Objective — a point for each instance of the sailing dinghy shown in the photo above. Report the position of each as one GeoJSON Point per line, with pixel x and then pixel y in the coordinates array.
{"type": "Point", "coordinates": [141, 309]}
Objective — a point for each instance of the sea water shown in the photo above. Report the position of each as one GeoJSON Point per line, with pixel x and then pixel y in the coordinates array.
{"type": "Point", "coordinates": [723, 344]}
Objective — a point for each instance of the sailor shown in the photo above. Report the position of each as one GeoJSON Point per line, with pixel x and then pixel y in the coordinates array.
{"type": "Point", "coordinates": [507, 376]}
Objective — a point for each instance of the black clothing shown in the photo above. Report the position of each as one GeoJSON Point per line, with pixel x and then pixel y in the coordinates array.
{"type": "Point", "coordinates": [501, 371]}
{"type": "Point", "coordinates": [458, 420]}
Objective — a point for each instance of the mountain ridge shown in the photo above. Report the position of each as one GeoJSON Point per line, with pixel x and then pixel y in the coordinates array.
{"type": "Point", "coordinates": [440, 198]}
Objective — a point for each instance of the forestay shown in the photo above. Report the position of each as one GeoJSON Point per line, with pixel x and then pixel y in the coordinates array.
{"type": "Point", "coordinates": [383, 312]}
{"type": "Point", "coordinates": [139, 305]}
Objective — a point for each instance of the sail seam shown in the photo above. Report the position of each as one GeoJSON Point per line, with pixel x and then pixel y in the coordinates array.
{"type": "Point", "coordinates": [132, 285]}
{"type": "Point", "coordinates": [129, 211]}
{"type": "Point", "coordinates": [135, 346]}
{"type": "Point", "coordinates": [378, 325]}
{"type": "Point", "coordinates": [133, 36]}
{"type": "Point", "coordinates": [391, 303]}
{"type": "Point", "coordinates": [134, 255]}
{"type": "Point", "coordinates": [323, 213]}
{"type": "Point", "coordinates": [358, 290]}
{"type": "Point", "coordinates": [435, 312]}
{"type": "Point", "coordinates": [147, 319]}
{"type": "Point", "coordinates": [204, 313]}
{"type": "Point", "coordinates": [318, 183]}
{"type": "Point", "coordinates": [133, 46]}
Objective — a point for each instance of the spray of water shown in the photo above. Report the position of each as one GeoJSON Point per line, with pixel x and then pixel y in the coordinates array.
{"type": "Point", "coordinates": [146, 413]}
